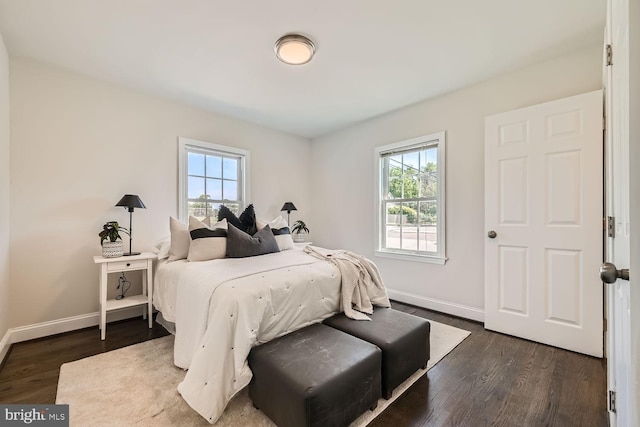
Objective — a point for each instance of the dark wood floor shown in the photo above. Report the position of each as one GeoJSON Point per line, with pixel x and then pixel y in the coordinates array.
{"type": "Point", "coordinates": [489, 379]}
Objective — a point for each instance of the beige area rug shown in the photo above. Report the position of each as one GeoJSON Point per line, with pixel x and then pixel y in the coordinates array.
{"type": "Point", "coordinates": [136, 386]}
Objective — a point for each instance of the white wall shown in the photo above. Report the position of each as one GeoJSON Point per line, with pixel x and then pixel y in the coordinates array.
{"type": "Point", "coordinates": [79, 144]}
{"type": "Point", "coordinates": [342, 177]}
{"type": "Point", "coordinates": [4, 192]}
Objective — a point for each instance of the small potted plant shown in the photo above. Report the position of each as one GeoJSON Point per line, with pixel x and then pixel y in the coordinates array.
{"type": "Point", "coordinates": [113, 247]}
{"type": "Point", "coordinates": [300, 231]}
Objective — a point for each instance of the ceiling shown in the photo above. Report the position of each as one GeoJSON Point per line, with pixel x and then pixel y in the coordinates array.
{"type": "Point", "coordinates": [372, 56]}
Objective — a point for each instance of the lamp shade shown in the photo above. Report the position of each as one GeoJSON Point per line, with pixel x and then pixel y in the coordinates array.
{"type": "Point", "coordinates": [288, 206]}
{"type": "Point", "coordinates": [131, 201]}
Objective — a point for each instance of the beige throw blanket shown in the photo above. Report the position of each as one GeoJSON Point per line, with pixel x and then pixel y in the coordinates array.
{"type": "Point", "coordinates": [362, 286]}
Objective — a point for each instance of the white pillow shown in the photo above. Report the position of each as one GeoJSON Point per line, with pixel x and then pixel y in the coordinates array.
{"type": "Point", "coordinates": [281, 232]}
{"type": "Point", "coordinates": [162, 247]}
{"type": "Point", "coordinates": [207, 242]}
{"type": "Point", "coordinates": [180, 239]}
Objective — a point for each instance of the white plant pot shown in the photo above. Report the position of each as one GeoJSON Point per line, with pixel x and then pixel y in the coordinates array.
{"type": "Point", "coordinates": [299, 237]}
{"type": "Point", "coordinates": [112, 249]}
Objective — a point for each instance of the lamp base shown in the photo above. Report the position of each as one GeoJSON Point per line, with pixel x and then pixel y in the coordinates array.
{"type": "Point", "coordinates": [131, 253]}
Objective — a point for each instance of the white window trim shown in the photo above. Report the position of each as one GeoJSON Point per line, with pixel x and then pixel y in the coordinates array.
{"type": "Point", "coordinates": [184, 144]}
{"type": "Point", "coordinates": [440, 257]}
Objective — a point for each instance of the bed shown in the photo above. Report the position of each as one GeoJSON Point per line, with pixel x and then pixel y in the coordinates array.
{"type": "Point", "coordinates": [223, 307]}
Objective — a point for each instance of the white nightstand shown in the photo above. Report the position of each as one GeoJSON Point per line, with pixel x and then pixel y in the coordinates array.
{"type": "Point", "coordinates": [143, 262]}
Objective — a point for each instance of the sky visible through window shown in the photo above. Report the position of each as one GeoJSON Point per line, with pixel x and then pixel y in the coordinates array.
{"type": "Point", "coordinates": [412, 160]}
{"type": "Point", "coordinates": [213, 176]}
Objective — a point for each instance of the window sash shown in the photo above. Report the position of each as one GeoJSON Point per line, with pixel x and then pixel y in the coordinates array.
{"type": "Point", "coordinates": [392, 236]}
{"type": "Point", "coordinates": [241, 178]}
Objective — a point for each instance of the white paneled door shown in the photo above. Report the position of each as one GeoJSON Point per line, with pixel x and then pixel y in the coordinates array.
{"type": "Point", "coordinates": [543, 218]}
{"type": "Point", "coordinates": [617, 190]}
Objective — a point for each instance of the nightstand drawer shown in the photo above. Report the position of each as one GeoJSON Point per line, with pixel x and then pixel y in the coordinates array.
{"type": "Point", "coordinates": [126, 265]}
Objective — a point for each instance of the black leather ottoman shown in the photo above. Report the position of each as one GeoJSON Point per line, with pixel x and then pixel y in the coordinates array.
{"type": "Point", "coordinates": [403, 338]}
{"type": "Point", "coordinates": [315, 376]}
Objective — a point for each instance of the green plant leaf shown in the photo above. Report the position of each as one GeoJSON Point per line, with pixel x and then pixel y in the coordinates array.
{"type": "Point", "coordinates": [299, 226]}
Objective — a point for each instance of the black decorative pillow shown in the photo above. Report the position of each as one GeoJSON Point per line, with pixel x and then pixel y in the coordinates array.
{"type": "Point", "coordinates": [241, 244]}
{"type": "Point", "coordinates": [246, 222]}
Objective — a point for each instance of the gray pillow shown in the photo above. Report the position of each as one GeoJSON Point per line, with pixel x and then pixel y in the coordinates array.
{"type": "Point", "coordinates": [241, 244]}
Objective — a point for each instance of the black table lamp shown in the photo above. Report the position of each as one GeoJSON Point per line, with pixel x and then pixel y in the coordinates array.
{"type": "Point", "coordinates": [288, 206]}
{"type": "Point", "coordinates": [131, 201]}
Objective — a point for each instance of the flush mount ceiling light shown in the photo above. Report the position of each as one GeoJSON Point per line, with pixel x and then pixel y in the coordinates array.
{"type": "Point", "coordinates": [294, 49]}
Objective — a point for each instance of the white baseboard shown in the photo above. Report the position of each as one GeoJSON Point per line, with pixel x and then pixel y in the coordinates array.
{"type": "Point", "coordinates": [438, 305]}
{"type": "Point", "coordinates": [39, 330]}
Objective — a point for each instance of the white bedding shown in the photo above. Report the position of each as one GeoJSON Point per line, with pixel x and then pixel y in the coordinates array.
{"type": "Point", "coordinates": [224, 307]}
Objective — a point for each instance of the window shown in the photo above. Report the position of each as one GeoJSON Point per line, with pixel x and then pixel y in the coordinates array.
{"type": "Point", "coordinates": [210, 175]}
{"type": "Point", "coordinates": [410, 199]}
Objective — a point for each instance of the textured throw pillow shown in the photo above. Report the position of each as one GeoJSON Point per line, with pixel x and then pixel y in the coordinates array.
{"type": "Point", "coordinates": [280, 231]}
{"type": "Point", "coordinates": [180, 239]}
{"type": "Point", "coordinates": [241, 244]}
{"type": "Point", "coordinates": [207, 242]}
{"type": "Point", "coordinates": [246, 222]}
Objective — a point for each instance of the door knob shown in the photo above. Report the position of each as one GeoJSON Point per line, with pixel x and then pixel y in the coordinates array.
{"type": "Point", "coordinates": [609, 273]}
{"type": "Point", "coordinates": [492, 234]}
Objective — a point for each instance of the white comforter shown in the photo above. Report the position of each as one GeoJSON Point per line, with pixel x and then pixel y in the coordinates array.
{"type": "Point", "coordinates": [224, 307]}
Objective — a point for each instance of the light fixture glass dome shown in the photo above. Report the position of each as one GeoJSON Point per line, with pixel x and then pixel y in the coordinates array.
{"type": "Point", "coordinates": [294, 49]}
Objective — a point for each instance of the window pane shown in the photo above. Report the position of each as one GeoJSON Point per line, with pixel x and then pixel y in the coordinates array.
{"type": "Point", "coordinates": [392, 227]}
{"type": "Point", "coordinates": [428, 239]}
{"type": "Point", "coordinates": [410, 226]}
{"type": "Point", "coordinates": [195, 187]}
{"type": "Point", "coordinates": [393, 214]}
{"type": "Point", "coordinates": [196, 164]}
{"type": "Point", "coordinates": [395, 188]}
{"type": "Point", "coordinates": [411, 174]}
{"type": "Point", "coordinates": [410, 213]}
{"type": "Point", "coordinates": [230, 168]}
{"type": "Point", "coordinates": [392, 235]}
{"type": "Point", "coordinates": [200, 210]}
{"type": "Point", "coordinates": [233, 207]}
{"type": "Point", "coordinates": [409, 237]}
{"type": "Point", "coordinates": [214, 188]}
{"type": "Point", "coordinates": [411, 162]}
{"type": "Point", "coordinates": [410, 181]}
{"type": "Point", "coordinates": [394, 178]}
{"type": "Point", "coordinates": [214, 167]}
{"type": "Point", "coordinates": [230, 190]}
{"type": "Point", "coordinates": [429, 173]}
{"type": "Point", "coordinates": [427, 222]}
{"type": "Point", "coordinates": [430, 155]}
{"type": "Point", "coordinates": [428, 212]}
{"type": "Point", "coordinates": [213, 212]}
